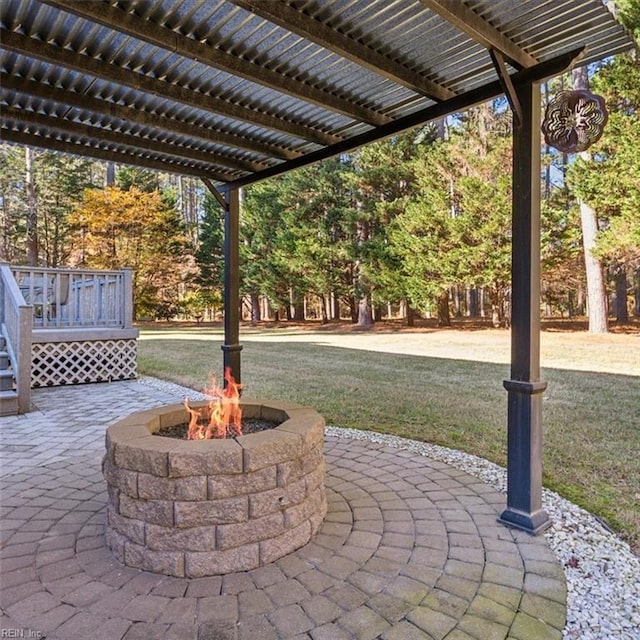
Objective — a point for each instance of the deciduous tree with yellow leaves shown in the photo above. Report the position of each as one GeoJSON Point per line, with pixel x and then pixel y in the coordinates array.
{"type": "Point", "coordinates": [117, 228]}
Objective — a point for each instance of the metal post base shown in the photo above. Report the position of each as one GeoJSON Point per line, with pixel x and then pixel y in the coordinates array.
{"type": "Point", "coordinates": [524, 467]}
{"type": "Point", "coordinates": [533, 523]}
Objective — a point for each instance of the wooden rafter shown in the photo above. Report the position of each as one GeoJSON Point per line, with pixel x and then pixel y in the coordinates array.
{"type": "Point", "coordinates": [56, 55]}
{"type": "Point", "coordinates": [297, 22]}
{"type": "Point", "coordinates": [507, 86]}
{"type": "Point", "coordinates": [146, 31]}
{"type": "Point", "coordinates": [75, 148]}
{"type": "Point", "coordinates": [469, 22]}
{"type": "Point", "coordinates": [140, 117]}
{"type": "Point", "coordinates": [133, 143]}
{"type": "Point", "coordinates": [214, 192]}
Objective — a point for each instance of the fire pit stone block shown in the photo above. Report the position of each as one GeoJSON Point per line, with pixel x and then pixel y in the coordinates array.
{"type": "Point", "coordinates": [209, 507]}
{"type": "Point", "coordinates": [207, 457]}
{"type": "Point", "coordinates": [152, 487]}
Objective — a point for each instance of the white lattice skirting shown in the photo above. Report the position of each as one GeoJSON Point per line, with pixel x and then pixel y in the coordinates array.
{"type": "Point", "coordinates": [58, 363]}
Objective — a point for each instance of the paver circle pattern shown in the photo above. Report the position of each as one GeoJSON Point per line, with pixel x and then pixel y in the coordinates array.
{"type": "Point", "coordinates": [409, 549]}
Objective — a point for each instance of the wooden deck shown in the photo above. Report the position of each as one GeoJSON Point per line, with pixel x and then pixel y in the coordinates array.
{"type": "Point", "coordinates": [64, 326]}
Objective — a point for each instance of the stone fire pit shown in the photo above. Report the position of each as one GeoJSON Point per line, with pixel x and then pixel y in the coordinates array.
{"type": "Point", "coordinates": [193, 508]}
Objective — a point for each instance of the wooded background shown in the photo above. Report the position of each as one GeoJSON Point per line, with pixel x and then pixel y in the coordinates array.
{"type": "Point", "coordinates": [417, 225]}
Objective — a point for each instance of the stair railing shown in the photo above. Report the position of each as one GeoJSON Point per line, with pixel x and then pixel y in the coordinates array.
{"type": "Point", "coordinates": [16, 320]}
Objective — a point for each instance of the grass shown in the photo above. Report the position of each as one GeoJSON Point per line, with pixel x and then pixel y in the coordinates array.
{"type": "Point", "coordinates": [445, 387]}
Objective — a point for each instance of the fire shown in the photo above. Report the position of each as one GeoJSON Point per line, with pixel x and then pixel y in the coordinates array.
{"type": "Point", "coordinates": [222, 417]}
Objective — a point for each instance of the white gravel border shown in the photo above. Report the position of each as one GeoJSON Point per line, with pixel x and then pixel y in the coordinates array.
{"type": "Point", "coordinates": [602, 573]}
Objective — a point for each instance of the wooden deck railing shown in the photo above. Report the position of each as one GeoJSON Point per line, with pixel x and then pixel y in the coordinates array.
{"type": "Point", "coordinates": [16, 317]}
{"type": "Point", "coordinates": [66, 326]}
{"type": "Point", "coordinates": [76, 298]}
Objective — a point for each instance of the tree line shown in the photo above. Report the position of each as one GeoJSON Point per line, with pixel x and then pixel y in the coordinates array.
{"type": "Point", "coordinates": [416, 225]}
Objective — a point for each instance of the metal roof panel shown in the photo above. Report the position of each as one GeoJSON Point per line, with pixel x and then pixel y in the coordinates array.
{"type": "Point", "coordinates": [271, 88]}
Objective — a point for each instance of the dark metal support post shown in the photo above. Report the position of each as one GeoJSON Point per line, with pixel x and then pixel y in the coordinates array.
{"type": "Point", "coordinates": [232, 347]}
{"type": "Point", "coordinates": [524, 465]}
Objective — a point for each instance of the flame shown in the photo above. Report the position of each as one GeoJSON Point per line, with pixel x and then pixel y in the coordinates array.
{"type": "Point", "coordinates": [222, 417]}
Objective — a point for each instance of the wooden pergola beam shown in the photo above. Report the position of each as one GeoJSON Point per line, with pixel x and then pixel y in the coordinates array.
{"type": "Point", "coordinates": [214, 192]}
{"type": "Point", "coordinates": [76, 148]}
{"type": "Point", "coordinates": [507, 86]}
{"type": "Point", "coordinates": [136, 27]}
{"type": "Point", "coordinates": [140, 117]}
{"type": "Point", "coordinates": [479, 95]}
{"type": "Point", "coordinates": [134, 143]}
{"type": "Point", "coordinates": [63, 57]}
{"type": "Point", "coordinates": [470, 23]}
{"type": "Point", "coordinates": [295, 21]}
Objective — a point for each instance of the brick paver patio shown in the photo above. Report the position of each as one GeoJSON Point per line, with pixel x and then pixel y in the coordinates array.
{"type": "Point", "coordinates": [410, 549]}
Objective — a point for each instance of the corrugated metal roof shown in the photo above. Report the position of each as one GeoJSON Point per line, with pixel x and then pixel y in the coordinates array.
{"type": "Point", "coordinates": [233, 90]}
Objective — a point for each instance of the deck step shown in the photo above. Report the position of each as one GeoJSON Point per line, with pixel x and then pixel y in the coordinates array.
{"type": "Point", "coordinates": [6, 380]}
{"type": "Point", "coordinates": [8, 403]}
{"type": "Point", "coordinates": [4, 360]}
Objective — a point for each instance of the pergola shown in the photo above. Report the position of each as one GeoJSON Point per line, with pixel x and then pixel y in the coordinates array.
{"type": "Point", "coordinates": [235, 91]}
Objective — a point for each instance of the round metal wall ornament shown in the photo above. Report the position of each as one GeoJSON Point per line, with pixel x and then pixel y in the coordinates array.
{"type": "Point", "coordinates": [574, 120]}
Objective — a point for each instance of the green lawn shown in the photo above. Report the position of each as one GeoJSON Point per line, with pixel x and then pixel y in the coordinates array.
{"type": "Point", "coordinates": [371, 381]}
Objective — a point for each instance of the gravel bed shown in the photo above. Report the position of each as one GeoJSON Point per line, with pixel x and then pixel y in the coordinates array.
{"type": "Point", "coordinates": [602, 573]}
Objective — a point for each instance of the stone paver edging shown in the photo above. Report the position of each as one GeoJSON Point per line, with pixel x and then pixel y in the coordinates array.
{"type": "Point", "coordinates": [409, 549]}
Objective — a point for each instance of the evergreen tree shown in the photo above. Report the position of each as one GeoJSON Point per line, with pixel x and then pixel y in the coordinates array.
{"type": "Point", "coordinates": [320, 227]}
{"type": "Point", "coordinates": [61, 181]}
{"type": "Point", "coordinates": [143, 179]}
{"type": "Point", "coordinates": [265, 247]}
{"type": "Point", "coordinates": [12, 209]}
{"type": "Point", "coordinates": [610, 181]}
{"type": "Point", "coordinates": [385, 182]}
{"type": "Point", "coordinates": [456, 229]}
{"type": "Point", "coordinates": [35, 204]}
{"type": "Point", "coordinates": [210, 252]}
